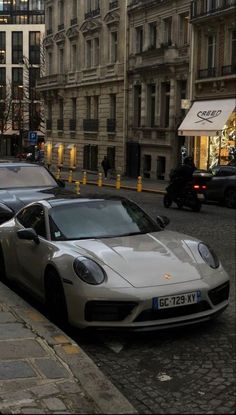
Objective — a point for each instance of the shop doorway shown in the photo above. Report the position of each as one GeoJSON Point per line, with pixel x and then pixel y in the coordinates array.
{"type": "Point", "coordinates": [161, 167]}
{"type": "Point", "coordinates": [133, 160]}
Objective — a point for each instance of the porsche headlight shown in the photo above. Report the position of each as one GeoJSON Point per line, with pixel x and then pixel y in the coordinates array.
{"type": "Point", "coordinates": [208, 255]}
{"type": "Point", "coordinates": [89, 271]}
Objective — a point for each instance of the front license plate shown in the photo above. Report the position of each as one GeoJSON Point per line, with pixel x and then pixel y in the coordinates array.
{"type": "Point", "coordinates": [169, 301]}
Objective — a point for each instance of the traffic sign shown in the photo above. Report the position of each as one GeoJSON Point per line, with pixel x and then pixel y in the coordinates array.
{"type": "Point", "coordinates": [33, 137]}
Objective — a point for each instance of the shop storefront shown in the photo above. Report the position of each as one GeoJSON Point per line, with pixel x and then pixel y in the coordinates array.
{"type": "Point", "coordinates": [212, 124]}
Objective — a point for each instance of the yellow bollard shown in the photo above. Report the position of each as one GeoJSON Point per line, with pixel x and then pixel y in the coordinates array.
{"type": "Point", "coordinates": [99, 179]}
{"type": "Point", "coordinates": [85, 178]}
{"type": "Point", "coordinates": [58, 174]}
{"type": "Point", "coordinates": [118, 182]}
{"type": "Point", "coordinates": [77, 187]}
{"type": "Point", "coordinates": [139, 184]}
{"type": "Point", "coordinates": [70, 177]}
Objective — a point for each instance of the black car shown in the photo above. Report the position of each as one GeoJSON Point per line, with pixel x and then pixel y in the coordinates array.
{"type": "Point", "coordinates": [222, 186]}
{"type": "Point", "coordinates": [23, 183]}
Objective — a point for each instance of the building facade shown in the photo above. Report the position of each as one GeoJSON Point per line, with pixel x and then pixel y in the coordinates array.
{"type": "Point", "coordinates": [158, 84]}
{"type": "Point", "coordinates": [210, 125]}
{"type": "Point", "coordinates": [21, 31]}
{"type": "Point", "coordinates": [84, 86]}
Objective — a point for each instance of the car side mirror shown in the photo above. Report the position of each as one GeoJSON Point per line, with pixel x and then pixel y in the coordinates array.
{"type": "Point", "coordinates": [61, 183]}
{"type": "Point", "coordinates": [28, 235]}
{"type": "Point", "coordinates": [163, 221]}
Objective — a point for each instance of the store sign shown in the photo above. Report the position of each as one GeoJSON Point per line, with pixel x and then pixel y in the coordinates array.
{"type": "Point", "coordinates": [208, 115]}
{"type": "Point", "coordinates": [207, 118]}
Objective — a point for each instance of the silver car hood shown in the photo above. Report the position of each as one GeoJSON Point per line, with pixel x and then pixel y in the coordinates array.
{"type": "Point", "coordinates": [145, 260]}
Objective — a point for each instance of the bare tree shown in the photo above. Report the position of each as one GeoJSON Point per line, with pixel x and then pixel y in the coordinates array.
{"type": "Point", "coordinates": [34, 114]}
{"type": "Point", "coordinates": [6, 99]}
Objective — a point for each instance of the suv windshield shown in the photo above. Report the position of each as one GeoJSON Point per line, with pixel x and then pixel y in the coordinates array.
{"type": "Point", "coordinates": [25, 176]}
{"type": "Point", "coordinates": [99, 219]}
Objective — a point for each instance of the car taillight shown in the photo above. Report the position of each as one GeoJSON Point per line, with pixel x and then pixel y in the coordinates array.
{"type": "Point", "coordinates": [199, 187]}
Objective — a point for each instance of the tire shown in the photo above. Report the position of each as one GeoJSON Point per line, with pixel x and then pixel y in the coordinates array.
{"type": "Point", "coordinates": [167, 201]}
{"type": "Point", "coordinates": [3, 276]}
{"type": "Point", "coordinates": [179, 203]}
{"type": "Point", "coordinates": [194, 203]}
{"type": "Point", "coordinates": [55, 298]}
{"type": "Point", "coordinates": [230, 198]}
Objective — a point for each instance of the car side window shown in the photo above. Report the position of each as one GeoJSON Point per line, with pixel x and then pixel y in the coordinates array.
{"type": "Point", "coordinates": [33, 217]}
{"type": "Point", "coordinates": [228, 171]}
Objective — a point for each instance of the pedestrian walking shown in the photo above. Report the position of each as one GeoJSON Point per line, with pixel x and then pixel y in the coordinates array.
{"type": "Point", "coordinates": [106, 166]}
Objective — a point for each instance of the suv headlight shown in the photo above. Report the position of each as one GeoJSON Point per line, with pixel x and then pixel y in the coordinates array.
{"type": "Point", "coordinates": [208, 255]}
{"type": "Point", "coordinates": [89, 271]}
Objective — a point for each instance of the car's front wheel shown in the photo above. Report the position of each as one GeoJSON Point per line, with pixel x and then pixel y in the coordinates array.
{"type": "Point", "coordinates": [230, 198]}
{"type": "Point", "coordinates": [55, 298]}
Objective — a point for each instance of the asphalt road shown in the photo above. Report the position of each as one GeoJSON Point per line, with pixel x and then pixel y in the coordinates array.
{"type": "Point", "coordinates": [189, 370]}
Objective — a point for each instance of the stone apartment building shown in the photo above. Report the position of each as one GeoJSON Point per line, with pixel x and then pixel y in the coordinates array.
{"type": "Point", "coordinates": [210, 125]}
{"type": "Point", "coordinates": [84, 86]}
{"type": "Point", "coordinates": [21, 30]}
{"type": "Point", "coordinates": [122, 76]}
{"type": "Point", "coordinates": [158, 81]}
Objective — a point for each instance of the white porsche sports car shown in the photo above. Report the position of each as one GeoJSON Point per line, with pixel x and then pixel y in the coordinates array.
{"type": "Point", "coordinates": [103, 262]}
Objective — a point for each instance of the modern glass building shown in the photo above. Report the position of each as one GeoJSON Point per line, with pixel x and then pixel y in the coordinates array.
{"type": "Point", "coordinates": [21, 35]}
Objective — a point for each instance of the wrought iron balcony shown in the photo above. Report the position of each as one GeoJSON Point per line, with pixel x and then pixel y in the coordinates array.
{"type": "Point", "coordinates": [74, 21]}
{"type": "Point", "coordinates": [90, 125]}
{"type": "Point", "coordinates": [61, 26]}
{"type": "Point", "coordinates": [111, 125]}
{"type": "Point", "coordinates": [113, 4]}
{"type": "Point", "coordinates": [200, 8]}
{"type": "Point", "coordinates": [72, 124]}
{"type": "Point", "coordinates": [228, 70]}
{"type": "Point", "coordinates": [92, 13]}
{"type": "Point", "coordinates": [206, 73]}
{"type": "Point", "coordinates": [49, 32]}
{"type": "Point", "coordinates": [60, 124]}
{"type": "Point", "coordinates": [48, 124]}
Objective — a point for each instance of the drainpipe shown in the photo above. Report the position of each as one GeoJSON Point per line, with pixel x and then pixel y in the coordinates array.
{"type": "Point", "coordinates": [192, 50]}
{"type": "Point", "coordinates": [125, 116]}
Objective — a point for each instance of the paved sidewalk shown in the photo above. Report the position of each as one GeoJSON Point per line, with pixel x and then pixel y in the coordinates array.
{"type": "Point", "coordinates": [43, 371]}
{"type": "Point", "coordinates": [148, 185]}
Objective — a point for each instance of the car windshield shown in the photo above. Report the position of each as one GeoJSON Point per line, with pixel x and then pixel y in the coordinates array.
{"type": "Point", "coordinates": [99, 219]}
{"type": "Point", "coordinates": [25, 176]}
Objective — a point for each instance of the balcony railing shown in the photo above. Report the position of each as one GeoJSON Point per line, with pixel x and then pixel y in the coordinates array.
{"type": "Point", "coordinates": [73, 124]}
{"type": "Point", "coordinates": [61, 26]}
{"type": "Point", "coordinates": [111, 125]}
{"type": "Point", "coordinates": [48, 124]}
{"type": "Point", "coordinates": [92, 13]}
{"type": "Point", "coordinates": [74, 21]}
{"type": "Point", "coordinates": [60, 124]}
{"type": "Point", "coordinates": [113, 4]}
{"type": "Point", "coordinates": [206, 8]}
{"type": "Point", "coordinates": [49, 32]}
{"type": "Point", "coordinates": [228, 70]}
{"type": "Point", "coordinates": [206, 73]}
{"type": "Point", "coordinates": [90, 125]}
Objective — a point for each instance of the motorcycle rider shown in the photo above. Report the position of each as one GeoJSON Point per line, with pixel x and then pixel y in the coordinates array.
{"type": "Point", "coordinates": [180, 177]}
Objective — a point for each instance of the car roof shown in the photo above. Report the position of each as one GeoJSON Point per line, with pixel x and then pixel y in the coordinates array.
{"type": "Point", "coordinates": [68, 200]}
{"type": "Point", "coordinates": [19, 164]}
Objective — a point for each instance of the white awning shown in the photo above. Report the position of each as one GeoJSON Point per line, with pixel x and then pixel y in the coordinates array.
{"type": "Point", "coordinates": [207, 117]}
{"type": "Point", "coordinates": [57, 145]}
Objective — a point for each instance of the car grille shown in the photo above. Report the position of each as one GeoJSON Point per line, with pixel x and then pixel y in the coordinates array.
{"type": "Point", "coordinates": [108, 310]}
{"type": "Point", "coordinates": [219, 294]}
{"type": "Point", "coordinates": [150, 315]}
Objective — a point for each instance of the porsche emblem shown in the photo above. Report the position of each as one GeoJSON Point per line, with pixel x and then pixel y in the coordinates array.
{"type": "Point", "coordinates": [167, 276]}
